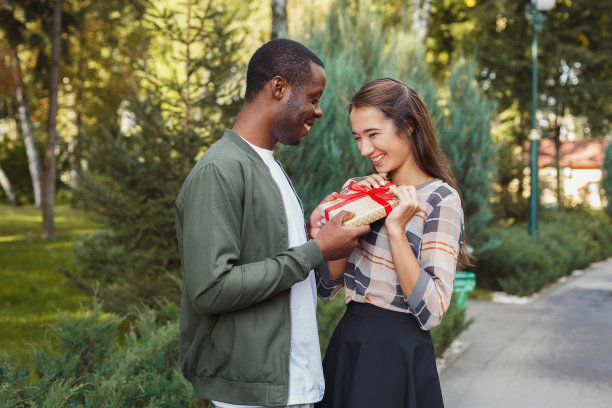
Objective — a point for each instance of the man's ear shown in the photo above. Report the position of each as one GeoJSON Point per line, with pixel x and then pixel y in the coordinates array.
{"type": "Point", "coordinates": [279, 87]}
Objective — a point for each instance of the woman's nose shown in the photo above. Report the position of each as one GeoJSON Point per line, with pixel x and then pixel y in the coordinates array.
{"type": "Point", "coordinates": [366, 147]}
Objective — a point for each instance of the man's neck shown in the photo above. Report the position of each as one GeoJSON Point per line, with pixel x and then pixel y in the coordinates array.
{"type": "Point", "coordinates": [254, 127]}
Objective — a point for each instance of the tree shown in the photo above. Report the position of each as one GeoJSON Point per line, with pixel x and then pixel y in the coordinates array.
{"type": "Point", "coordinates": [279, 19]}
{"type": "Point", "coordinates": [137, 168]}
{"type": "Point", "coordinates": [465, 136]}
{"type": "Point", "coordinates": [16, 32]}
{"type": "Point", "coordinates": [328, 156]}
{"type": "Point", "coordinates": [27, 129]}
{"type": "Point", "coordinates": [420, 18]}
{"type": "Point", "coordinates": [8, 188]}
{"type": "Point", "coordinates": [48, 198]}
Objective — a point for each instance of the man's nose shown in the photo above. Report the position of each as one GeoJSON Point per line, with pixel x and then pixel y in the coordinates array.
{"type": "Point", "coordinates": [318, 111]}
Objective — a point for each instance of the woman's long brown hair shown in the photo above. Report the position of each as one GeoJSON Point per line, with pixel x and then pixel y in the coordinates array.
{"type": "Point", "coordinates": [402, 105]}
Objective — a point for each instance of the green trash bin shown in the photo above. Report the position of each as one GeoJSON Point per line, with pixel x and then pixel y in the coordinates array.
{"type": "Point", "coordinates": [465, 282]}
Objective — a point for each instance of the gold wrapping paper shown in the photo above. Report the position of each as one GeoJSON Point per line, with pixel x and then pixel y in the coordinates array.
{"type": "Point", "coordinates": [366, 210]}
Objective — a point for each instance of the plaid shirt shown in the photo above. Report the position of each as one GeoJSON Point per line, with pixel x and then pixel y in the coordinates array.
{"type": "Point", "coordinates": [435, 234]}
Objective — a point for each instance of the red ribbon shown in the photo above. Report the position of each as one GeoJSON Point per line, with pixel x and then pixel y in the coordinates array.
{"type": "Point", "coordinates": [378, 194]}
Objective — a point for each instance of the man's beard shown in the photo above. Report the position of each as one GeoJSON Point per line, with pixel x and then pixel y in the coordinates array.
{"type": "Point", "coordinates": [288, 129]}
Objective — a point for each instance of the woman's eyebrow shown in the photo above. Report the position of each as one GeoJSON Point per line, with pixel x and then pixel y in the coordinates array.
{"type": "Point", "coordinates": [368, 130]}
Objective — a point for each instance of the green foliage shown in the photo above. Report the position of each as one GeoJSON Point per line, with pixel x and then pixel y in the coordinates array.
{"type": "Point", "coordinates": [88, 367]}
{"type": "Point", "coordinates": [523, 264]}
{"type": "Point", "coordinates": [132, 185]}
{"type": "Point", "coordinates": [32, 289]}
{"type": "Point", "coordinates": [453, 323]}
{"type": "Point", "coordinates": [606, 181]}
{"type": "Point", "coordinates": [508, 201]}
{"type": "Point", "coordinates": [329, 313]}
{"type": "Point", "coordinates": [136, 170]}
{"type": "Point", "coordinates": [328, 156]}
{"type": "Point", "coordinates": [465, 135]}
{"type": "Point", "coordinates": [573, 62]}
{"type": "Point", "coordinates": [12, 155]}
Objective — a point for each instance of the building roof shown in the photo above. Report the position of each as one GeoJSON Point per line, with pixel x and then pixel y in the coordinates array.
{"type": "Point", "coordinates": [587, 154]}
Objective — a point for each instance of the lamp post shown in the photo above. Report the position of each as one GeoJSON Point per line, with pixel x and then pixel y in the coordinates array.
{"type": "Point", "coordinates": [536, 10]}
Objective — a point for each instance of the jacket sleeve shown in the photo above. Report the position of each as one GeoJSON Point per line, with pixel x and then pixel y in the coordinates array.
{"type": "Point", "coordinates": [211, 241]}
{"type": "Point", "coordinates": [442, 238]}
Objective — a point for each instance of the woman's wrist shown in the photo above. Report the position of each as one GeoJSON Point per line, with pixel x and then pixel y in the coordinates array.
{"type": "Point", "coordinates": [394, 231]}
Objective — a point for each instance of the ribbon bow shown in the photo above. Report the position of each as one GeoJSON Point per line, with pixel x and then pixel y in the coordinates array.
{"type": "Point", "coordinates": [378, 194]}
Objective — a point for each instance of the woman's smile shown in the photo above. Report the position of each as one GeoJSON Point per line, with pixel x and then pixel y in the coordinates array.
{"type": "Point", "coordinates": [378, 140]}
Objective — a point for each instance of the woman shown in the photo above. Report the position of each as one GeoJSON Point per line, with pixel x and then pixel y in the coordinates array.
{"type": "Point", "coordinates": [399, 280]}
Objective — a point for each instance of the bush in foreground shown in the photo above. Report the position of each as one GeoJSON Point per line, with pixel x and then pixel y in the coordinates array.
{"type": "Point", "coordinates": [91, 365]}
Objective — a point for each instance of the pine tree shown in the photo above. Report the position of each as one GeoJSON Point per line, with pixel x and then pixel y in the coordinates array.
{"type": "Point", "coordinates": [465, 136]}
{"type": "Point", "coordinates": [136, 171]}
{"type": "Point", "coordinates": [328, 156]}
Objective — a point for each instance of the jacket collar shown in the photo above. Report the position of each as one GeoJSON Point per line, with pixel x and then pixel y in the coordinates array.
{"type": "Point", "coordinates": [235, 138]}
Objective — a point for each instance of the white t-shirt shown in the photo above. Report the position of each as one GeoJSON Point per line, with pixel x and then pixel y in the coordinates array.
{"type": "Point", "coordinates": [306, 384]}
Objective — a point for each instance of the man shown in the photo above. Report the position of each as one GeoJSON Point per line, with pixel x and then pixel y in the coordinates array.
{"type": "Point", "coordinates": [248, 333]}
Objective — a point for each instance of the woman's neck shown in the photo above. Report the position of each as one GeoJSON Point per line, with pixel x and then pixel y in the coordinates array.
{"type": "Point", "coordinates": [413, 178]}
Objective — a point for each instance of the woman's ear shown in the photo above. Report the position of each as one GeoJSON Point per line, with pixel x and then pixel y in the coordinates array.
{"type": "Point", "coordinates": [279, 87]}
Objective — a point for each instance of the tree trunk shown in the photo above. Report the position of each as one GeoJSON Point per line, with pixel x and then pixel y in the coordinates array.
{"type": "Point", "coordinates": [187, 156]}
{"type": "Point", "coordinates": [27, 129]}
{"type": "Point", "coordinates": [557, 156]}
{"type": "Point", "coordinates": [48, 199]}
{"type": "Point", "coordinates": [279, 19]}
{"type": "Point", "coordinates": [420, 18]}
{"type": "Point", "coordinates": [8, 189]}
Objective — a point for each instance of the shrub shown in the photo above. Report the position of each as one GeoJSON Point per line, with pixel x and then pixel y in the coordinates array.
{"type": "Point", "coordinates": [522, 265]}
{"type": "Point", "coordinates": [453, 323]}
{"type": "Point", "coordinates": [91, 365]}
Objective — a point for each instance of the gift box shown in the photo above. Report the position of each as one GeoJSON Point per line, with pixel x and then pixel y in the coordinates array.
{"type": "Point", "coordinates": [368, 204]}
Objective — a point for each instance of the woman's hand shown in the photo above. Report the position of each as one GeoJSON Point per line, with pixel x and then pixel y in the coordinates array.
{"type": "Point", "coordinates": [317, 220]}
{"type": "Point", "coordinates": [374, 181]}
{"type": "Point", "coordinates": [406, 209]}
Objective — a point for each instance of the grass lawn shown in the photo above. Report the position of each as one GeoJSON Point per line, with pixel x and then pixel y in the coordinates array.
{"type": "Point", "coordinates": [32, 290]}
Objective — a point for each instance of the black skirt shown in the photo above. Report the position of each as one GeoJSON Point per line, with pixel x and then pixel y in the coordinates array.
{"type": "Point", "coordinates": [380, 358]}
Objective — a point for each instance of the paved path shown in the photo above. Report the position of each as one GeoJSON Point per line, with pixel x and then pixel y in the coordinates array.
{"type": "Point", "coordinates": [555, 351]}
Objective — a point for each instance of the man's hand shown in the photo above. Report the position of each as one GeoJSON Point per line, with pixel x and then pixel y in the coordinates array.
{"type": "Point", "coordinates": [337, 241]}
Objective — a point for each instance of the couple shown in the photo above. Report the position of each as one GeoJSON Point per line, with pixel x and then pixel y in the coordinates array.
{"type": "Point", "coordinates": [248, 330]}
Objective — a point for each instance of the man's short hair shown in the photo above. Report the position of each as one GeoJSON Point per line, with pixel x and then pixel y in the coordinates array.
{"type": "Point", "coordinates": [286, 58]}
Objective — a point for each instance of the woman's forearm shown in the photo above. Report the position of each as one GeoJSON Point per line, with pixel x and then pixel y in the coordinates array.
{"type": "Point", "coordinates": [336, 268]}
{"type": "Point", "coordinates": [407, 266]}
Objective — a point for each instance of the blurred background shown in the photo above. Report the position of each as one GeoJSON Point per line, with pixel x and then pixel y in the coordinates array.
{"type": "Point", "coordinates": [105, 106]}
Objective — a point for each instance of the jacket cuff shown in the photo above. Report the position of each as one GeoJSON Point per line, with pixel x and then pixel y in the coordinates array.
{"type": "Point", "coordinates": [418, 292]}
{"type": "Point", "coordinates": [312, 254]}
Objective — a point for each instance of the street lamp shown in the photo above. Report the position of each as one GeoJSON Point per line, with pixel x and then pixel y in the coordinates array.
{"type": "Point", "coordinates": [536, 10]}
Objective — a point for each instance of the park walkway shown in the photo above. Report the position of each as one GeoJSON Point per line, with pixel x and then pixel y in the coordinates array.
{"type": "Point", "coordinates": [555, 351]}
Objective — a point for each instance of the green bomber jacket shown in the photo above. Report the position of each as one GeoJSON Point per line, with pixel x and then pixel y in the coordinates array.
{"type": "Point", "coordinates": [235, 322]}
